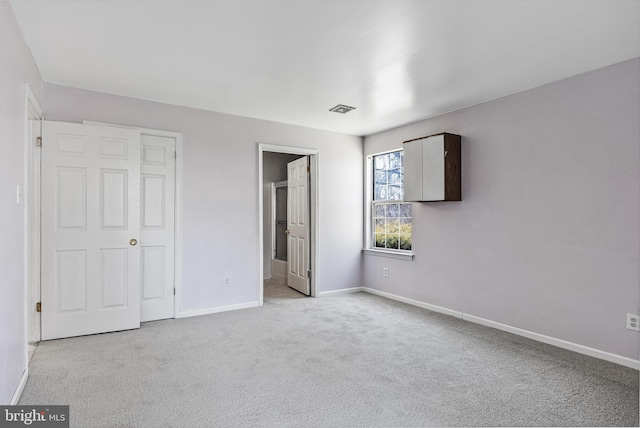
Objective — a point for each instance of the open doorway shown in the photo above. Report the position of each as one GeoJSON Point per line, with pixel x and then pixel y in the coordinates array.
{"type": "Point", "coordinates": [288, 207]}
{"type": "Point", "coordinates": [278, 197]}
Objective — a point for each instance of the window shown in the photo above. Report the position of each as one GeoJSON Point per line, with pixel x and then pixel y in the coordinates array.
{"type": "Point", "coordinates": [391, 217]}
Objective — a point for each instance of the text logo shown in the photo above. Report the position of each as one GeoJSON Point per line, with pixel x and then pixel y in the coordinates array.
{"type": "Point", "coordinates": [34, 416]}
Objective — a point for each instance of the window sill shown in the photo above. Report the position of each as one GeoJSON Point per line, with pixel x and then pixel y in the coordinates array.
{"type": "Point", "coordinates": [387, 253]}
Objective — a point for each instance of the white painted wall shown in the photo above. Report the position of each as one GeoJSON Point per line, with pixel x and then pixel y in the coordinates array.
{"type": "Point", "coordinates": [16, 69]}
{"type": "Point", "coordinates": [546, 237]}
{"type": "Point", "coordinates": [274, 169]}
{"type": "Point", "coordinates": [220, 191]}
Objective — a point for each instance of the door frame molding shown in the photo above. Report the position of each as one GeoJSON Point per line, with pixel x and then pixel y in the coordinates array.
{"type": "Point", "coordinates": [314, 163]}
{"type": "Point", "coordinates": [32, 221]}
{"type": "Point", "coordinates": [177, 274]}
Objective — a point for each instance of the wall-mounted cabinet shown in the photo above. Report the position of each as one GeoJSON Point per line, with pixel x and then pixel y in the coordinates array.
{"type": "Point", "coordinates": [432, 168]}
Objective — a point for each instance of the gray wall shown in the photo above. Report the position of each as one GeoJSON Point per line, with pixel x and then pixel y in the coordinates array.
{"type": "Point", "coordinates": [546, 237]}
{"type": "Point", "coordinates": [220, 191]}
{"type": "Point", "coordinates": [16, 69]}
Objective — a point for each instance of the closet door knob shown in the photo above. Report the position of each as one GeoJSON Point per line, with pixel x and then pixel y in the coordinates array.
{"type": "Point", "coordinates": [133, 242]}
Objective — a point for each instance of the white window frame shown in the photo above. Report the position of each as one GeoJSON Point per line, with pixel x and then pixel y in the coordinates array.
{"type": "Point", "coordinates": [368, 215]}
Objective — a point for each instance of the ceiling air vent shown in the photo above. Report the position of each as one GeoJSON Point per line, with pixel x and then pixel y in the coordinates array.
{"type": "Point", "coordinates": [341, 108]}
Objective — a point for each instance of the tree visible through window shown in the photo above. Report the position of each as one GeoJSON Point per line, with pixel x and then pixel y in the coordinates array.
{"type": "Point", "coordinates": [391, 216]}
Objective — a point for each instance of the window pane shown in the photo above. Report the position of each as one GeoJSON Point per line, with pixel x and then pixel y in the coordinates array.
{"type": "Point", "coordinates": [395, 193]}
{"type": "Point", "coordinates": [394, 177]}
{"type": "Point", "coordinates": [404, 227]}
{"type": "Point", "coordinates": [381, 177]}
{"type": "Point", "coordinates": [392, 242]}
{"type": "Point", "coordinates": [379, 226]}
{"type": "Point", "coordinates": [392, 226]}
{"type": "Point", "coordinates": [381, 161]}
{"type": "Point", "coordinates": [395, 160]}
{"type": "Point", "coordinates": [405, 242]}
{"type": "Point", "coordinates": [381, 193]}
{"type": "Point", "coordinates": [405, 221]}
{"type": "Point", "coordinates": [379, 210]}
{"type": "Point", "coordinates": [405, 210]}
{"type": "Point", "coordinates": [392, 210]}
{"type": "Point", "coordinates": [379, 239]}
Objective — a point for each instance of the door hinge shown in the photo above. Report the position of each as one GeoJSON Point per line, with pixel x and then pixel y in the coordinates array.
{"type": "Point", "coordinates": [39, 307]}
{"type": "Point", "coordinates": [174, 291]}
{"type": "Point", "coordinates": [309, 169]}
{"type": "Point", "coordinates": [38, 141]}
{"type": "Point", "coordinates": [175, 155]}
{"type": "Point", "coordinates": [308, 274]}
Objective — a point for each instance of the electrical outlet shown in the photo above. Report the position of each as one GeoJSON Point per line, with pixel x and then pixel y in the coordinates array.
{"type": "Point", "coordinates": [227, 281]}
{"type": "Point", "coordinates": [385, 271]}
{"type": "Point", "coordinates": [633, 322]}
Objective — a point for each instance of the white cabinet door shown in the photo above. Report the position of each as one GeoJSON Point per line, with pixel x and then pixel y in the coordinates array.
{"type": "Point", "coordinates": [157, 193]}
{"type": "Point", "coordinates": [298, 225]}
{"type": "Point", "coordinates": [412, 170]}
{"type": "Point", "coordinates": [90, 227]}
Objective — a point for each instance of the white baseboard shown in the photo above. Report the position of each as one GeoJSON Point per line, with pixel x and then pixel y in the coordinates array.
{"type": "Point", "coordinates": [581, 349]}
{"type": "Point", "coordinates": [267, 276]}
{"type": "Point", "coordinates": [341, 291]}
{"type": "Point", "coordinates": [20, 388]}
{"type": "Point", "coordinates": [413, 302]}
{"type": "Point", "coordinates": [208, 311]}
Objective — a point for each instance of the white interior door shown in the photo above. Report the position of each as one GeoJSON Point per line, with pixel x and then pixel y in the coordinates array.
{"type": "Point", "coordinates": [298, 225]}
{"type": "Point", "coordinates": [157, 191]}
{"type": "Point", "coordinates": [90, 227]}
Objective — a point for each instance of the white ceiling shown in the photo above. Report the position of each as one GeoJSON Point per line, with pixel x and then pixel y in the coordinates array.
{"type": "Point", "coordinates": [396, 61]}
